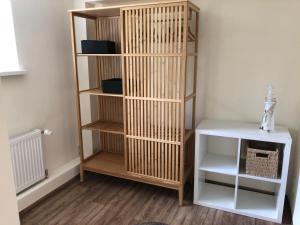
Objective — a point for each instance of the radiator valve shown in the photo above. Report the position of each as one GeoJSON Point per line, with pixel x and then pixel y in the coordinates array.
{"type": "Point", "coordinates": [47, 132]}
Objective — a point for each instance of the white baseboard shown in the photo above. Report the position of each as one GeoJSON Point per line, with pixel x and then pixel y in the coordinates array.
{"type": "Point", "coordinates": [56, 179]}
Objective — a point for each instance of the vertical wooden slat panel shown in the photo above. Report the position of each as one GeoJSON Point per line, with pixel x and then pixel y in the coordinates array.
{"type": "Point", "coordinates": [183, 86]}
{"type": "Point", "coordinates": [109, 67]}
{"type": "Point", "coordinates": [134, 79]}
{"type": "Point", "coordinates": [124, 48]}
{"type": "Point", "coordinates": [159, 75]}
{"type": "Point", "coordinates": [155, 89]}
{"type": "Point", "coordinates": [152, 17]}
{"type": "Point", "coordinates": [155, 30]}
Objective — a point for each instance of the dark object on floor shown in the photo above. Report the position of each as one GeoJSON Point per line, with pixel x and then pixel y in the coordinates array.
{"type": "Point", "coordinates": [152, 223]}
{"type": "Point", "coordinates": [97, 47]}
{"type": "Point", "coordinates": [112, 86]}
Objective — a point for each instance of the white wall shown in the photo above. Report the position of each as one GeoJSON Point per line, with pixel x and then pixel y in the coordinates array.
{"type": "Point", "coordinates": [8, 205]}
{"type": "Point", "coordinates": [44, 97]}
{"type": "Point", "coordinates": [244, 46]}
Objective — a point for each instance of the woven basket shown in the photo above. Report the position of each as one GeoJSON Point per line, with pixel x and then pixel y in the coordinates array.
{"type": "Point", "coordinates": [263, 163]}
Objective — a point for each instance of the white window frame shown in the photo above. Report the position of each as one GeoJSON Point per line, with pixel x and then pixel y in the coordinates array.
{"type": "Point", "coordinates": [8, 42]}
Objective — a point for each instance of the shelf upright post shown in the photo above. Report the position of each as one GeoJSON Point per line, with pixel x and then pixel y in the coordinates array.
{"type": "Point", "coordinates": [75, 71]}
{"type": "Point", "coordinates": [237, 172]}
{"type": "Point", "coordinates": [98, 77]}
{"type": "Point", "coordinates": [183, 71]}
{"type": "Point", "coordinates": [124, 86]}
{"type": "Point", "coordinates": [284, 175]}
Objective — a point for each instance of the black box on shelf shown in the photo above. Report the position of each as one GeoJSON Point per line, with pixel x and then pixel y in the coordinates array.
{"type": "Point", "coordinates": [98, 47]}
{"type": "Point", "coordinates": [112, 86]}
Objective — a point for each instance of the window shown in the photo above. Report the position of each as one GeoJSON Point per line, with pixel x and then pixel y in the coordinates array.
{"type": "Point", "coordinates": [9, 63]}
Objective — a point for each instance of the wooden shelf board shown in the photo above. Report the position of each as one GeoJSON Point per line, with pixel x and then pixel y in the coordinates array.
{"type": "Point", "coordinates": [97, 91]}
{"type": "Point", "coordinates": [212, 195]}
{"type": "Point", "coordinates": [106, 163]}
{"type": "Point", "coordinates": [103, 55]}
{"type": "Point", "coordinates": [105, 126]}
{"type": "Point", "coordinates": [219, 164]}
{"type": "Point", "coordinates": [114, 10]}
{"type": "Point", "coordinates": [112, 164]}
{"type": "Point", "coordinates": [257, 204]}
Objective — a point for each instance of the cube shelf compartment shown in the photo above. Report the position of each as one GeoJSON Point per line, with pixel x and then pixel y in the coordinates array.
{"type": "Point", "coordinates": [213, 194]}
{"type": "Point", "coordinates": [263, 204]}
{"type": "Point", "coordinates": [220, 178]}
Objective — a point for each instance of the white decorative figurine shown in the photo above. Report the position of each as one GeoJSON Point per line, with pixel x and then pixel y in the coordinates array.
{"type": "Point", "coordinates": [267, 123]}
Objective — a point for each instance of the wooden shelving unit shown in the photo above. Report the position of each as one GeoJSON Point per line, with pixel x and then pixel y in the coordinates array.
{"type": "Point", "coordinates": [143, 133]}
{"type": "Point", "coordinates": [220, 178]}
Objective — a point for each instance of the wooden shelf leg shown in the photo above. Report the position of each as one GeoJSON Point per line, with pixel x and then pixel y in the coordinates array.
{"type": "Point", "coordinates": [81, 174]}
{"type": "Point", "coordinates": [181, 195]}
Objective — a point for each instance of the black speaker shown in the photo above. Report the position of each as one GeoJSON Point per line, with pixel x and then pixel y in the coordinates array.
{"type": "Point", "coordinates": [112, 86]}
{"type": "Point", "coordinates": [98, 47]}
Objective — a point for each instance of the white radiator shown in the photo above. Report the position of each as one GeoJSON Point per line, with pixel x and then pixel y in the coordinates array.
{"type": "Point", "coordinates": [27, 159]}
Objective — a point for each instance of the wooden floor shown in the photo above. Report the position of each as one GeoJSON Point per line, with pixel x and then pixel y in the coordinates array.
{"type": "Point", "coordinates": [106, 200]}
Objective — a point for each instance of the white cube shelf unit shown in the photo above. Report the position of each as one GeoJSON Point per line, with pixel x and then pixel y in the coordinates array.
{"type": "Point", "coordinates": [220, 178]}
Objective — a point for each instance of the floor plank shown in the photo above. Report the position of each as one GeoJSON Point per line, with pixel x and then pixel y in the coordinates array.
{"type": "Point", "coordinates": [104, 200]}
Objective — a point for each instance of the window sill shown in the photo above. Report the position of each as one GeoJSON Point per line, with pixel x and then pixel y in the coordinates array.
{"type": "Point", "coordinates": [17, 72]}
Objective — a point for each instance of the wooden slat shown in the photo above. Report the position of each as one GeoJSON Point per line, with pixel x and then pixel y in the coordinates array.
{"type": "Point", "coordinates": [195, 71]}
{"type": "Point", "coordinates": [182, 79]}
{"type": "Point", "coordinates": [123, 21]}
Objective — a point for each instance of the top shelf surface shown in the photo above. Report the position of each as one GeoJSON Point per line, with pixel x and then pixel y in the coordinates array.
{"type": "Point", "coordinates": [243, 130]}
{"type": "Point", "coordinates": [114, 10]}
